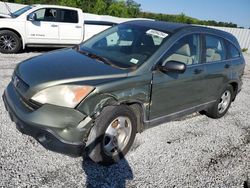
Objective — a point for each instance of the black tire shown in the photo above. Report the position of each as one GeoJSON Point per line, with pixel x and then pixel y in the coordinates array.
{"type": "Point", "coordinates": [10, 42]}
{"type": "Point", "coordinates": [95, 144]}
{"type": "Point", "coordinates": [214, 111]}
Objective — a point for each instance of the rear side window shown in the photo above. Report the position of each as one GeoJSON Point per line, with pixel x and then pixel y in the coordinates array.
{"type": "Point", "coordinates": [233, 52]}
{"type": "Point", "coordinates": [68, 16]}
{"type": "Point", "coordinates": [215, 49]}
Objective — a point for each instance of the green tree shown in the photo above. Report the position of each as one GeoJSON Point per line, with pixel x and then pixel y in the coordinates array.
{"type": "Point", "coordinates": [133, 8]}
{"type": "Point", "coordinates": [118, 9]}
{"type": "Point", "coordinates": [71, 3]}
{"type": "Point", "coordinates": [100, 7]}
{"type": "Point", "coordinates": [88, 6]}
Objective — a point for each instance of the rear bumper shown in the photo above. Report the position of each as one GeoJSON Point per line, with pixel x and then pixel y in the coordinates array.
{"type": "Point", "coordinates": [54, 128]}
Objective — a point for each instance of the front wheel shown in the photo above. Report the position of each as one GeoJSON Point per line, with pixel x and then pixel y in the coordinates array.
{"type": "Point", "coordinates": [112, 135]}
{"type": "Point", "coordinates": [221, 106]}
{"type": "Point", "coordinates": [9, 42]}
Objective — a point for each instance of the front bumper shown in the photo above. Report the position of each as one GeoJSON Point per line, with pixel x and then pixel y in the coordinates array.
{"type": "Point", "coordinates": [58, 129]}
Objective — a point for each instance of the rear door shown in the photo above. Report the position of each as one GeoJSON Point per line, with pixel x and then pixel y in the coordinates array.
{"type": "Point", "coordinates": [217, 66]}
{"type": "Point", "coordinates": [174, 92]}
{"type": "Point", "coordinates": [70, 26]}
{"type": "Point", "coordinates": [44, 29]}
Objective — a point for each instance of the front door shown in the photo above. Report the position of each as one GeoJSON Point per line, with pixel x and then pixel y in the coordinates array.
{"type": "Point", "coordinates": [44, 29]}
{"type": "Point", "coordinates": [174, 92]}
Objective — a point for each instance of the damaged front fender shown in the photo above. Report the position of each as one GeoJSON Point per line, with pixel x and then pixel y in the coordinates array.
{"type": "Point", "coordinates": [129, 91]}
{"type": "Point", "coordinates": [95, 103]}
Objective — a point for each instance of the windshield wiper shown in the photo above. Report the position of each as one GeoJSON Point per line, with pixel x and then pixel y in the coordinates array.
{"type": "Point", "coordinates": [96, 57]}
{"type": "Point", "coordinates": [93, 56]}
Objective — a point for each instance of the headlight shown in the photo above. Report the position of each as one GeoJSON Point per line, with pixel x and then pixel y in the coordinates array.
{"type": "Point", "coordinates": [64, 95]}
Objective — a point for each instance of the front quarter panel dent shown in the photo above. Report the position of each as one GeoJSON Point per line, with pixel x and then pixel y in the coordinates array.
{"type": "Point", "coordinates": [93, 105]}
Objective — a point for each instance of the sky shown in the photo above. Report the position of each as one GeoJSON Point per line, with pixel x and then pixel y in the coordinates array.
{"type": "Point", "coordinates": [236, 11]}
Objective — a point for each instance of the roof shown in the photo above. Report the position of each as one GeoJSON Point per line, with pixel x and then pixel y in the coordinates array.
{"type": "Point", "coordinates": [171, 27]}
{"type": "Point", "coordinates": [54, 6]}
{"type": "Point", "coordinates": [160, 25]}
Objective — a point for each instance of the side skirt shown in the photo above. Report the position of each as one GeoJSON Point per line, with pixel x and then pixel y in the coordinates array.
{"type": "Point", "coordinates": [176, 115]}
{"type": "Point", "coordinates": [50, 45]}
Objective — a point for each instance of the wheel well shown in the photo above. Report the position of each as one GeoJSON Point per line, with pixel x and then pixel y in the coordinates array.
{"type": "Point", "coordinates": [8, 29]}
{"type": "Point", "coordinates": [235, 88]}
{"type": "Point", "coordinates": [139, 113]}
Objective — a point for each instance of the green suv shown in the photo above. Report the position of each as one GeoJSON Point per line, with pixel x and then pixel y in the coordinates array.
{"type": "Point", "coordinates": [93, 98]}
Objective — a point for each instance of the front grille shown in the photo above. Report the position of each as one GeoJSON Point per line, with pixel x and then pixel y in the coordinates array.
{"type": "Point", "coordinates": [19, 84]}
{"type": "Point", "coordinates": [21, 87]}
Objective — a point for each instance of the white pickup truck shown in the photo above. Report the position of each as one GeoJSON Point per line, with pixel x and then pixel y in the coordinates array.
{"type": "Point", "coordinates": [46, 26]}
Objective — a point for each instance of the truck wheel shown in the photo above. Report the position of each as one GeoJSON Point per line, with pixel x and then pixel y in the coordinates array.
{"type": "Point", "coordinates": [112, 135]}
{"type": "Point", "coordinates": [222, 105]}
{"type": "Point", "coordinates": [9, 42]}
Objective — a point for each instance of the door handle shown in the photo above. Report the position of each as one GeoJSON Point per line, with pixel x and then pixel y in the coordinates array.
{"type": "Point", "coordinates": [53, 25]}
{"type": "Point", "coordinates": [227, 66]}
{"type": "Point", "coordinates": [198, 71]}
{"type": "Point", "coordinates": [78, 27]}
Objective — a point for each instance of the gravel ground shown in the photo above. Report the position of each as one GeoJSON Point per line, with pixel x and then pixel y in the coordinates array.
{"type": "Point", "coordinates": [193, 152]}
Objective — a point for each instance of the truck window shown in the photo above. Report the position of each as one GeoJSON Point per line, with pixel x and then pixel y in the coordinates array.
{"type": "Point", "coordinates": [46, 14]}
{"type": "Point", "coordinates": [68, 16]}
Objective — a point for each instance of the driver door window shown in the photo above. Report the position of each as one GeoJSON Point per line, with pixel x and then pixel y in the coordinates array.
{"type": "Point", "coordinates": [48, 14]}
{"type": "Point", "coordinates": [186, 50]}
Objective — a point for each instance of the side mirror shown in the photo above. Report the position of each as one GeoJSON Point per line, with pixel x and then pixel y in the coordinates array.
{"type": "Point", "coordinates": [173, 66]}
{"type": "Point", "coordinates": [31, 17]}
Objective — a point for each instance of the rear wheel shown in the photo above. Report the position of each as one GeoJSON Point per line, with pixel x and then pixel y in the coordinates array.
{"type": "Point", "coordinates": [112, 135]}
{"type": "Point", "coordinates": [9, 42]}
{"type": "Point", "coordinates": [222, 105]}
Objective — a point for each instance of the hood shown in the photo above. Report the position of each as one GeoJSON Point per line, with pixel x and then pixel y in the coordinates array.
{"type": "Point", "coordinates": [4, 15]}
{"type": "Point", "coordinates": [65, 66]}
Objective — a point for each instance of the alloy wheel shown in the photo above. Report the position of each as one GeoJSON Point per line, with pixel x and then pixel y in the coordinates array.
{"type": "Point", "coordinates": [7, 42]}
{"type": "Point", "coordinates": [117, 135]}
{"type": "Point", "coordinates": [224, 101]}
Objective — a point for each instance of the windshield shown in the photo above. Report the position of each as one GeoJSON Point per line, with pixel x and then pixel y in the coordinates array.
{"type": "Point", "coordinates": [126, 45]}
{"type": "Point", "coordinates": [21, 11]}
